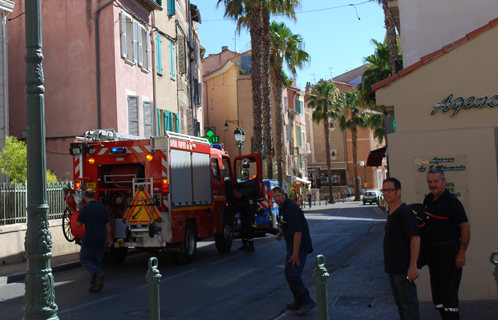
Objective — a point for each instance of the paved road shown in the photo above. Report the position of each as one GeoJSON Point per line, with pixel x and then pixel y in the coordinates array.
{"type": "Point", "coordinates": [234, 285]}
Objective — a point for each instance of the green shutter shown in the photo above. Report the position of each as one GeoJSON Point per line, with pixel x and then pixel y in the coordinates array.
{"type": "Point", "coordinates": [159, 122]}
{"type": "Point", "coordinates": [166, 121]}
{"type": "Point", "coordinates": [171, 7]}
{"type": "Point", "coordinates": [299, 134]}
{"type": "Point", "coordinates": [177, 123]}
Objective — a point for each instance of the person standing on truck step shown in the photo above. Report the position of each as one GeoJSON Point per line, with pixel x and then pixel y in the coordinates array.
{"type": "Point", "coordinates": [97, 235]}
{"type": "Point", "coordinates": [243, 205]}
{"type": "Point", "coordinates": [294, 228]}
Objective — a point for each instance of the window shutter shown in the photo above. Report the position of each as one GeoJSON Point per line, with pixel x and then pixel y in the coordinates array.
{"type": "Point", "coordinates": [299, 136]}
{"type": "Point", "coordinates": [159, 122]}
{"type": "Point", "coordinates": [159, 55]}
{"type": "Point", "coordinates": [124, 54]}
{"type": "Point", "coordinates": [147, 51]}
{"type": "Point", "coordinates": [133, 115]}
{"type": "Point", "coordinates": [287, 132]}
{"type": "Point", "coordinates": [171, 120]}
{"type": "Point", "coordinates": [140, 47]}
{"type": "Point", "coordinates": [171, 60]}
{"type": "Point", "coordinates": [171, 7]}
{"type": "Point", "coordinates": [135, 37]}
{"type": "Point", "coordinates": [286, 104]}
{"type": "Point", "coordinates": [181, 55]}
{"type": "Point", "coordinates": [177, 123]}
{"type": "Point", "coordinates": [166, 121]}
{"type": "Point", "coordinates": [148, 119]}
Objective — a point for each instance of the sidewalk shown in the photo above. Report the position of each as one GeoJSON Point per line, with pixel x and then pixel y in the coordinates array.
{"type": "Point", "coordinates": [361, 290]}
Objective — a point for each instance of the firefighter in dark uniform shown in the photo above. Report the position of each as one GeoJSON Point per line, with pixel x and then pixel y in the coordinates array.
{"type": "Point", "coordinates": [448, 235]}
{"type": "Point", "coordinates": [244, 206]}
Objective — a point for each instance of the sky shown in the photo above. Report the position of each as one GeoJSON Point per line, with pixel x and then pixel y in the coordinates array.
{"type": "Point", "coordinates": [335, 38]}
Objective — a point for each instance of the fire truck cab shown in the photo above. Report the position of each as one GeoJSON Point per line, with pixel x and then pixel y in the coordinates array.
{"type": "Point", "coordinates": [162, 193]}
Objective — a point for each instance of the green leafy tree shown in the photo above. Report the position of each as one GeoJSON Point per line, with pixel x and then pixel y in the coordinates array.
{"type": "Point", "coordinates": [353, 117]}
{"type": "Point", "coordinates": [14, 161]}
{"type": "Point", "coordinates": [391, 37]}
{"type": "Point", "coordinates": [324, 100]}
{"type": "Point", "coordinates": [287, 51]}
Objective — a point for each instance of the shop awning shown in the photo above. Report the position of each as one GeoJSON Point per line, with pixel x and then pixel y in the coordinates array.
{"type": "Point", "coordinates": [300, 180]}
{"type": "Point", "coordinates": [375, 157]}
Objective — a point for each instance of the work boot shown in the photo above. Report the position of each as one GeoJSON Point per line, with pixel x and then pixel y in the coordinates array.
{"type": "Point", "coordinates": [452, 315]}
{"type": "Point", "coordinates": [442, 312]}
{"type": "Point", "coordinates": [251, 246]}
{"type": "Point", "coordinates": [244, 246]}
{"type": "Point", "coordinates": [306, 308]}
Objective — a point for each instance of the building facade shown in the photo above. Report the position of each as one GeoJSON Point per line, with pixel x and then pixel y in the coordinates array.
{"type": "Point", "coordinates": [444, 104]}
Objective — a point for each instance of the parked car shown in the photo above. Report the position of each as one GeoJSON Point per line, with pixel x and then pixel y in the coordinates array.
{"type": "Point", "coordinates": [371, 196]}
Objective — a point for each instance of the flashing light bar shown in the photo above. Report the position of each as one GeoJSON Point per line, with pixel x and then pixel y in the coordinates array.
{"type": "Point", "coordinates": [118, 150]}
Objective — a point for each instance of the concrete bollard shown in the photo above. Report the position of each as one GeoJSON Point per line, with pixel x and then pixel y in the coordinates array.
{"type": "Point", "coordinates": [320, 275]}
{"type": "Point", "coordinates": [495, 262]}
{"type": "Point", "coordinates": [153, 278]}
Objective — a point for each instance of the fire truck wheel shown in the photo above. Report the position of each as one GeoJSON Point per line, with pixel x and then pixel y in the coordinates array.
{"type": "Point", "coordinates": [189, 246]}
{"type": "Point", "coordinates": [115, 255]}
{"type": "Point", "coordinates": [223, 240]}
{"type": "Point", "coordinates": [66, 226]}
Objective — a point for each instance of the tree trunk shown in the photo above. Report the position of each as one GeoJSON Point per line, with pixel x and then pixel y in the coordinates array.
{"type": "Point", "coordinates": [279, 124]}
{"type": "Point", "coordinates": [256, 37]}
{"type": "Point", "coordinates": [267, 127]}
{"type": "Point", "coordinates": [354, 132]}
{"type": "Point", "coordinates": [391, 36]}
{"type": "Point", "coordinates": [329, 162]}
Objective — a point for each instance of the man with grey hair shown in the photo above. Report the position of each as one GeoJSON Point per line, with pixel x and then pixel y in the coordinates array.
{"type": "Point", "coordinates": [447, 235]}
{"type": "Point", "coordinates": [294, 228]}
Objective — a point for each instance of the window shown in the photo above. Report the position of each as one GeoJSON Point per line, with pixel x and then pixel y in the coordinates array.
{"type": "Point", "coordinates": [226, 169]}
{"type": "Point", "coordinates": [298, 105]}
{"type": "Point", "coordinates": [144, 49]}
{"type": "Point", "coordinates": [133, 115]}
{"type": "Point", "coordinates": [135, 42]}
{"type": "Point", "coordinates": [148, 119]}
{"type": "Point", "coordinates": [333, 154]}
{"type": "Point", "coordinates": [171, 60]}
{"type": "Point", "coordinates": [299, 135]}
{"type": "Point", "coordinates": [159, 122]}
{"type": "Point", "coordinates": [171, 7]}
{"type": "Point", "coordinates": [182, 64]}
{"type": "Point", "coordinates": [159, 61]}
{"type": "Point", "coordinates": [215, 168]}
{"type": "Point", "coordinates": [286, 104]}
{"type": "Point", "coordinates": [245, 67]}
{"type": "Point", "coordinates": [287, 132]}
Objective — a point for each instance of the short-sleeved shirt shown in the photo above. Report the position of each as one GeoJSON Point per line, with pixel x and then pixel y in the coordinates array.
{"type": "Point", "coordinates": [292, 220]}
{"type": "Point", "coordinates": [94, 216]}
{"type": "Point", "coordinates": [400, 226]}
{"type": "Point", "coordinates": [443, 217]}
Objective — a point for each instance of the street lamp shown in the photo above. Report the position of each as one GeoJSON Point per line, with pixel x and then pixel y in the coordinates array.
{"type": "Point", "coordinates": [240, 137]}
{"type": "Point", "coordinates": [230, 121]}
{"type": "Point", "coordinates": [364, 165]}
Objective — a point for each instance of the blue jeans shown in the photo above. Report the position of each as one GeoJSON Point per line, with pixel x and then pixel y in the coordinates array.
{"type": "Point", "coordinates": [91, 259]}
{"type": "Point", "coordinates": [293, 277]}
{"type": "Point", "coordinates": [405, 296]}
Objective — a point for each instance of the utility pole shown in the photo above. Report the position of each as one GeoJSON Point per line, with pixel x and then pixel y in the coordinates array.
{"type": "Point", "coordinates": [40, 295]}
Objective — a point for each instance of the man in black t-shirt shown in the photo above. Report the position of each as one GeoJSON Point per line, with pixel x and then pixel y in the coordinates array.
{"type": "Point", "coordinates": [448, 235]}
{"type": "Point", "coordinates": [294, 228]}
{"type": "Point", "coordinates": [401, 249]}
{"type": "Point", "coordinates": [97, 235]}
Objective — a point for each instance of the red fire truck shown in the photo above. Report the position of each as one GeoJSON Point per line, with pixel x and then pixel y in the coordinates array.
{"type": "Point", "coordinates": [162, 193]}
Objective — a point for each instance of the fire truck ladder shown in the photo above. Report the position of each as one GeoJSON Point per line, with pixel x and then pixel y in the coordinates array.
{"type": "Point", "coordinates": [109, 135]}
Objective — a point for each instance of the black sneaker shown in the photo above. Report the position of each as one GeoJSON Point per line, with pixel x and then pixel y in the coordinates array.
{"type": "Point", "coordinates": [306, 308]}
{"type": "Point", "coordinates": [92, 289]}
{"type": "Point", "coordinates": [243, 248]}
{"type": "Point", "coordinates": [100, 283]}
{"type": "Point", "coordinates": [291, 306]}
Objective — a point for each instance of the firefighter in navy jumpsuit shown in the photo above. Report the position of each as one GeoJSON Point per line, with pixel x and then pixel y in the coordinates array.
{"type": "Point", "coordinates": [244, 207]}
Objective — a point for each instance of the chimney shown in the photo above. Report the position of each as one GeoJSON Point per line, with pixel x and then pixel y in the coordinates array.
{"type": "Point", "coordinates": [224, 48]}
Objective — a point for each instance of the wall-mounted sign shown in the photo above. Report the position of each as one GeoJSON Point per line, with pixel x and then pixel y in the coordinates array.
{"type": "Point", "coordinates": [455, 171]}
{"type": "Point", "coordinates": [460, 103]}
{"type": "Point", "coordinates": [211, 137]}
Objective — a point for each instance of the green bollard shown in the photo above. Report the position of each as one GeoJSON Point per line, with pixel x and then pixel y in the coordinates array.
{"type": "Point", "coordinates": [321, 276]}
{"type": "Point", "coordinates": [153, 278]}
{"type": "Point", "coordinates": [495, 262]}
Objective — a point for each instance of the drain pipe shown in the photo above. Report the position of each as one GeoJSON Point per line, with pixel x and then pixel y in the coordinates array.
{"type": "Point", "coordinates": [97, 61]}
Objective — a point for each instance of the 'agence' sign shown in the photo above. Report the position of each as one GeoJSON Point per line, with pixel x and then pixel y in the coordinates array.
{"type": "Point", "coordinates": [460, 103]}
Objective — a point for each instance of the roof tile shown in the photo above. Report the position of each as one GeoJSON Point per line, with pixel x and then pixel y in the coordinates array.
{"type": "Point", "coordinates": [449, 47]}
{"type": "Point", "coordinates": [410, 68]}
{"type": "Point", "coordinates": [381, 83]}
{"type": "Point", "coordinates": [432, 55]}
{"type": "Point", "coordinates": [477, 32]}
{"type": "Point", "coordinates": [494, 22]}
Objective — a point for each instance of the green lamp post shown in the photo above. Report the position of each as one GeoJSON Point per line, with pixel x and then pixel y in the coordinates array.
{"type": "Point", "coordinates": [40, 296]}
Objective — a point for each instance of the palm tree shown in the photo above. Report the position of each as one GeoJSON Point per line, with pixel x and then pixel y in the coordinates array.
{"type": "Point", "coordinates": [323, 99]}
{"type": "Point", "coordinates": [353, 116]}
{"type": "Point", "coordinates": [288, 49]}
{"type": "Point", "coordinates": [376, 122]}
{"type": "Point", "coordinates": [390, 34]}
{"type": "Point", "coordinates": [377, 68]}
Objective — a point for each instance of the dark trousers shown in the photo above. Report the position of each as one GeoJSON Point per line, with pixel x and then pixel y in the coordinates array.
{"type": "Point", "coordinates": [405, 296]}
{"type": "Point", "coordinates": [309, 202]}
{"type": "Point", "coordinates": [91, 259]}
{"type": "Point", "coordinates": [293, 277]}
{"type": "Point", "coordinates": [246, 221]}
{"type": "Point", "coordinates": [445, 276]}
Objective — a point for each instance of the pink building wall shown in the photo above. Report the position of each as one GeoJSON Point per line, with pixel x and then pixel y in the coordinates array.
{"type": "Point", "coordinates": [69, 67]}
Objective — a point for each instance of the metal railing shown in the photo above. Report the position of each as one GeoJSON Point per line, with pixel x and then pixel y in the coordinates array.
{"type": "Point", "coordinates": [14, 200]}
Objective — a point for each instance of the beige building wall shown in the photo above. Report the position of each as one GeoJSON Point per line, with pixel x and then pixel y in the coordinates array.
{"type": "Point", "coordinates": [467, 140]}
{"type": "Point", "coordinates": [437, 23]}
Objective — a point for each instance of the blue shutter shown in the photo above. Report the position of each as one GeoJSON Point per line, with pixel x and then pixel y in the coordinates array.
{"type": "Point", "coordinates": [177, 123]}
{"type": "Point", "coordinates": [166, 121]}
{"type": "Point", "coordinates": [171, 7]}
{"type": "Point", "coordinates": [158, 122]}
{"type": "Point", "coordinates": [171, 119]}
{"type": "Point", "coordinates": [158, 55]}
{"type": "Point", "coordinates": [171, 60]}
